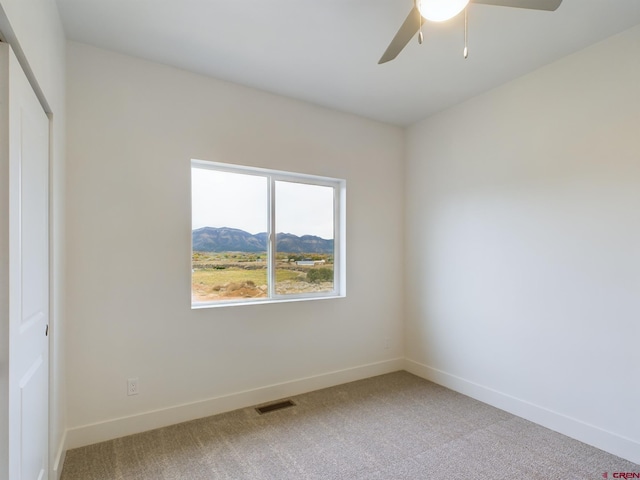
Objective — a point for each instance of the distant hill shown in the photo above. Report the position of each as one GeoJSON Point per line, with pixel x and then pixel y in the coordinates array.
{"type": "Point", "coordinates": [212, 239]}
{"type": "Point", "coordinates": [286, 242]}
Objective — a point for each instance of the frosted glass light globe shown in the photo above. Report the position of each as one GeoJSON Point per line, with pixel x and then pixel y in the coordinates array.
{"type": "Point", "coordinates": [441, 10]}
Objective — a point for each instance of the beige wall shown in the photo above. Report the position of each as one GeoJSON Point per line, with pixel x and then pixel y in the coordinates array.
{"type": "Point", "coordinates": [134, 126]}
{"type": "Point", "coordinates": [523, 246]}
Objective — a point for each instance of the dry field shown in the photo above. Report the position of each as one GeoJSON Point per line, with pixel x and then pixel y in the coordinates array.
{"type": "Point", "coordinates": [233, 276]}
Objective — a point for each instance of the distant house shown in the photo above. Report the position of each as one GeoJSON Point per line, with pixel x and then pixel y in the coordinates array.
{"type": "Point", "coordinates": [310, 262]}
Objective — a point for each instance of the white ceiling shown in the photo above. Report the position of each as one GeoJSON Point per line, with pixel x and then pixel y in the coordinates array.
{"type": "Point", "coordinates": [326, 51]}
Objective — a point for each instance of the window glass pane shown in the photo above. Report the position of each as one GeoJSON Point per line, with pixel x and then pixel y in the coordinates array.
{"type": "Point", "coordinates": [304, 222]}
{"type": "Point", "coordinates": [229, 240]}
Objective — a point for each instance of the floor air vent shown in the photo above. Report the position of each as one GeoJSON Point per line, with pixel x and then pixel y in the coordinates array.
{"type": "Point", "coordinates": [274, 406]}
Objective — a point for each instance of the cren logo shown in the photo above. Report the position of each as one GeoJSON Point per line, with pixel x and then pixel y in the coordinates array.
{"type": "Point", "coordinates": [626, 475]}
{"type": "Point", "coordinates": [605, 475]}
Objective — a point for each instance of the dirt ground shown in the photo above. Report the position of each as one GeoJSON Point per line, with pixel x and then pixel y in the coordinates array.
{"type": "Point", "coordinates": [233, 291]}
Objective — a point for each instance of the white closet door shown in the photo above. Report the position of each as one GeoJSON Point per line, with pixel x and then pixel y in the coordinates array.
{"type": "Point", "coordinates": [24, 214]}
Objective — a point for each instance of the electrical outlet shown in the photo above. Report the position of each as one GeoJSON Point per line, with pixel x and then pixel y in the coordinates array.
{"type": "Point", "coordinates": [132, 386]}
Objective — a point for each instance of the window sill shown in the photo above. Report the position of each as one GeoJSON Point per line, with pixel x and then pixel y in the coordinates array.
{"type": "Point", "coordinates": [238, 303]}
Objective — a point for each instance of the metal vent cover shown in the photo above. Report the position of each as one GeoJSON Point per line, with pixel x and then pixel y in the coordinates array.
{"type": "Point", "coordinates": [275, 406]}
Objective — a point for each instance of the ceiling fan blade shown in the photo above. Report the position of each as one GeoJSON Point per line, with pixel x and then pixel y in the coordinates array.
{"type": "Point", "coordinates": [549, 5]}
{"type": "Point", "coordinates": [408, 29]}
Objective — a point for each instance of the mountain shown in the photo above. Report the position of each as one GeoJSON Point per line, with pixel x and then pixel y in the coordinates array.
{"type": "Point", "coordinates": [210, 239]}
{"type": "Point", "coordinates": [286, 242]}
{"type": "Point", "coordinates": [225, 239]}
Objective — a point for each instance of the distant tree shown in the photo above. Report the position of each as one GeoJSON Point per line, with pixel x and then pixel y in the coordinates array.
{"type": "Point", "coordinates": [317, 275]}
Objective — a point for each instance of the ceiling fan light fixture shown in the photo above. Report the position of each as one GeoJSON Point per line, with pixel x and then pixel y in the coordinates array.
{"type": "Point", "coordinates": [441, 10]}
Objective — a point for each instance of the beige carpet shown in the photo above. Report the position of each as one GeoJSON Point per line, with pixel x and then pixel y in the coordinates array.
{"type": "Point", "coordinates": [390, 427]}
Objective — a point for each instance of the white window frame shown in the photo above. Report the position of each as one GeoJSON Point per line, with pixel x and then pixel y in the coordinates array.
{"type": "Point", "coordinates": [339, 227]}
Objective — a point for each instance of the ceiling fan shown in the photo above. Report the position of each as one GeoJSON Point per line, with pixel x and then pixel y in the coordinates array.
{"type": "Point", "coordinates": [441, 10]}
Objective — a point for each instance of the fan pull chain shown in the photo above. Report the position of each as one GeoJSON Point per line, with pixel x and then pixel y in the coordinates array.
{"type": "Point", "coordinates": [465, 52]}
{"type": "Point", "coordinates": [420, 36]}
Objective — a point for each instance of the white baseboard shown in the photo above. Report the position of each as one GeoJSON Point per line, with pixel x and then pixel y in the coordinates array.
{"type": "Point", "coordinates": [119, 427]}
{"type": "Point", "coordinates": [590, 434]}
{"type": "Point", "coordinates": [60, 456]}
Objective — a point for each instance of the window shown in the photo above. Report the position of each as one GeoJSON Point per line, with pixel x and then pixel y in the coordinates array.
{"type": "Point", "coordinates": [264, 235]}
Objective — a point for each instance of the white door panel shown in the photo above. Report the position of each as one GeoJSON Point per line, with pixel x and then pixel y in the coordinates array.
{"type": "Point", "coordinates": [26, 164]}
